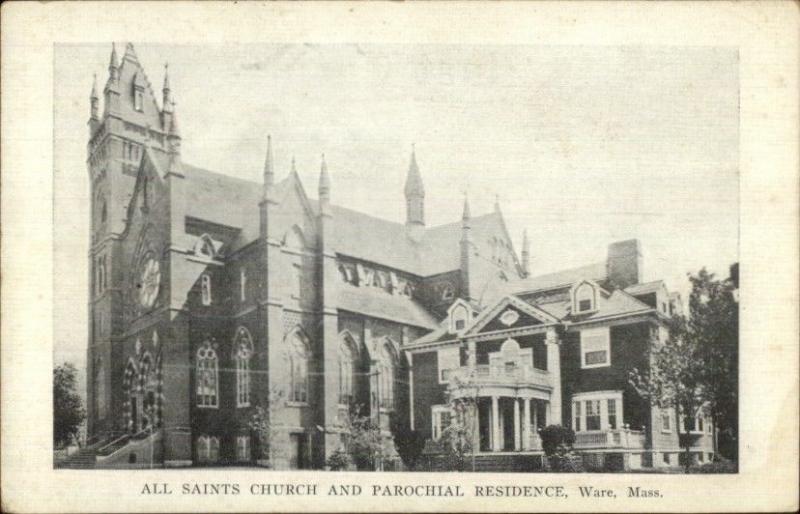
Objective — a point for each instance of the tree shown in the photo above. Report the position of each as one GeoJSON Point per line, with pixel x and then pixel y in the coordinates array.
{"type": "Point", "coordinates": [409, 444]}
{"type": "Point", "coordinates": [68, 411]}
{"type": "Point", "coordinates": [363, 439]}
{"type": "Point", "coordinates": [457, 437]}
{"type": "Point", "coordinates": [697, 366]}
{"type": "Point", "coordinates": [264, 423]}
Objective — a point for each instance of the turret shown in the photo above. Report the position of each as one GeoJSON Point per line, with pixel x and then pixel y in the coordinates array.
{"type": "Point", "coordinates": [415, 194]}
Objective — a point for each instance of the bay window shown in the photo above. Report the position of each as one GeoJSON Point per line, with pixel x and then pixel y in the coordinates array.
{"type": "Point", "coordinates": [595, 411]}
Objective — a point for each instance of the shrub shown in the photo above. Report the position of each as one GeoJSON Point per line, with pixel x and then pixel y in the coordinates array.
{"type": "Point", "coordinates": [409, 444]}
{"type": "Point", "coordinates": [719, 465]}
{"type": "Point", "coordinates": [557, 444]}
{"type": "Point", "coordinates": [555, 436]}
{"type": "Point", "coordinates": [339, 460]}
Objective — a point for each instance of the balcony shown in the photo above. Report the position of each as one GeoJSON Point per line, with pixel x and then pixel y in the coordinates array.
{"type": "Point", "coordinates": [510, 376]}
{"type": "Point", "coordinates": [618, 438]}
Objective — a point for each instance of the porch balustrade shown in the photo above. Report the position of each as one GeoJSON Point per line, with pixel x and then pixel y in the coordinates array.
{"type": "Point", "coordinates": [618, 438]}
{"type": "Point", "coordinates": [485, 374]}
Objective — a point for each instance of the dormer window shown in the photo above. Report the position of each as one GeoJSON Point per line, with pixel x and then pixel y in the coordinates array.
{"type": "Point", "coordinates": [447, 293]}
{"type": "Point", "coordinates": [459, 316]}
{"type": "Point", "coordinates": [206, 247]}
{"type": "Point", "coordinates": [584, 297]}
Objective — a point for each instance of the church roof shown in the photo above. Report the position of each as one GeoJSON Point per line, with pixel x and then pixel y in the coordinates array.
{"type": "Point", "coordinates": [233, 202]}
{"type": "Point", "coordinates": [567, 277]}
{"type": "Point", "coordinates": [377, 304]}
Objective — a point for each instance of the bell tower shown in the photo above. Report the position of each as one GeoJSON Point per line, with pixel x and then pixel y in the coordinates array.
{"type": "Point", "coordinates": [130, 122]}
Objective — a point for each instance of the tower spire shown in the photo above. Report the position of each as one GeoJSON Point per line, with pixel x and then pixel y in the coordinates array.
{"type": "Point", "coordinates": [324, 182]}
{"type": "Point", "coordinates": [294, 167]}
{"type": "Point", "coordinates": [414, 192]}
{"type": "Point", "coordinates": [525, 252]}
{"type": "Point", "coordinates": [166, 101]}
{"type": "Point", "coordinates": [269, 172]}
{"type": "Point", "coordinates": [465, 215]}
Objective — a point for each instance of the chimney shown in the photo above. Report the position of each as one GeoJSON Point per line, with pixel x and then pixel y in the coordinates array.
{"type": "Point", "coordinates": [624, 263]}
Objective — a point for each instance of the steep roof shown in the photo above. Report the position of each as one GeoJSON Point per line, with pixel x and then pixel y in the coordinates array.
{"type": "Point", "coordinates": [378, 304]}
{"type": "Point", "coordinates": [647, 287]}
{"type": "Point", "coordinates": [595, 271]}
{"type": "Point", "coordinates": [230, 201]}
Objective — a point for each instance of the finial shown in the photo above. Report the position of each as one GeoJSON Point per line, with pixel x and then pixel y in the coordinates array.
{"type": "Point", "coordinates": [94, 86]}
{"type": "Point", "coordinates": [294, 168]}
{"type": "Point", "coordinates": [496, 203]}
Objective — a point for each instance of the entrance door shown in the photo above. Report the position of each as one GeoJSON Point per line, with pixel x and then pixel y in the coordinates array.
{"type": "Point", "coordinates": [485, 426]}
{"type": "Point", "coordinates": [298, 451]}
{"type": "Point", "coordinates": [507, 413]}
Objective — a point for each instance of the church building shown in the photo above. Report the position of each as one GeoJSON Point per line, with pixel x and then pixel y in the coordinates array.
{"type": "Point", "coordinates": [220, 306]}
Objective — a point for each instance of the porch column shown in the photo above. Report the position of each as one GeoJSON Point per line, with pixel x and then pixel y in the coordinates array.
{"type": "Point", "coordinates": [526, 424]}
{"type": "Point", "coordinates": [495, 425]}
{"type": "Point", "coordinates": [517, 445]}
{"type": "Point", "coordinates": [472, 356]}
{"type": "Point", "coordinates": [554, 368]}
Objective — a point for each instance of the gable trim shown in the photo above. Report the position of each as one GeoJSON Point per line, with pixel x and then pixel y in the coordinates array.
{"type": "Point", "coordinates": [489, 314]}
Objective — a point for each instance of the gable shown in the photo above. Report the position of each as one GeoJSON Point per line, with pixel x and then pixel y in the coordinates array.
{"type": "Point", "coordinates": [510, 317]}
{"type": "Point", "coordinates": [510, 312]}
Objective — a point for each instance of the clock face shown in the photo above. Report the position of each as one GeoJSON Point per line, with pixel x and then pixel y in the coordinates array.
{"type": "Point", "coordinates": [150, 282]}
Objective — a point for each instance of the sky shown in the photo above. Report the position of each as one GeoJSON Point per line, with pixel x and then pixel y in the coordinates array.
{"type": "Point", "coordinates": [582, 145]}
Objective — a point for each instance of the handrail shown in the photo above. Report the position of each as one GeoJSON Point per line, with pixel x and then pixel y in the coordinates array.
{"type": "Point", "coordinates": [125, 436]}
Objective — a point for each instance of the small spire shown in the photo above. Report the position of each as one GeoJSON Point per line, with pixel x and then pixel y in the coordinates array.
{"type": "Point", "coordinates": [113, 63]}
{"type": "Point", "coordinates": [525, 251]}
{"type": "Point", "coordinates": [269, 173]}
{"type": "Point", "coordinates": [94, 87]}
{"type": "Point", "coordinates": [496, 203]}
{"type": "Point", "coordinates": [294, 168]}
{"type": "Point", "coordinates": [324, 182]}
{"type": "Point", "coordinates": [166, 77]}
{"type": "Point", "coordinates": [465, 216]}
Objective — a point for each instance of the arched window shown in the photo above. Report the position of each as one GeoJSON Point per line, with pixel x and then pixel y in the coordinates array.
{"type": "Point", "coordinates": [347, 360]}
{"type": "Point", "coordinates": [103, 213]}
{"type": "Point", "coordinates": [131, 405]}
{"type": "Point", "coordinates": [243, 348]}
{"type": "Point", "coordinates": [207, 377]}
{"type": "Point", "coordinates": [205, 288]}
{"type": "Point", "coordinates": [584, 296]}
{"type": "Point", "coordinates": [299, 354]}
{"type": "Point", "coordinates": [460, 317]}
{"type": "Point", "coordinates": [510, 352]}
{"type": "Point", "coordinates": [207, 449]}
{"type": "Point", "coordinates": [387, 365]}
